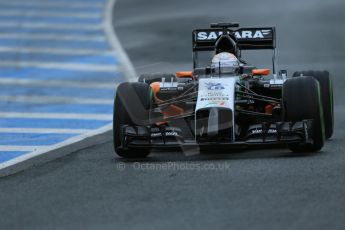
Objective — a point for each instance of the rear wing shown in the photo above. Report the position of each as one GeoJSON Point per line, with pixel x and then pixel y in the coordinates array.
{"type": "Point", "coordinates": [246, 38]}
{"type": "Point", "coordinates": [263, 38]}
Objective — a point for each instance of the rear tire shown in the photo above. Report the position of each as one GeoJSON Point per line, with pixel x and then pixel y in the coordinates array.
{"type": "Point", "coordinates": [326, 88]}
{"type": "Point", "coordinates": [150, 78]}
{"type": "Point", "coordinates": [302, 100]}
{"type": "Point", "coordinates": [131, 107]}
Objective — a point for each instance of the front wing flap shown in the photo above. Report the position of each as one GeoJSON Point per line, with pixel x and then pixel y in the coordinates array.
{"type": "Point", "coordinates": [138, 137]}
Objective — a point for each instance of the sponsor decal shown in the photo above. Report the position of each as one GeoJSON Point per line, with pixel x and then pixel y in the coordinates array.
{"type": "Point", "coordinates": [215, 104]}
{"type": "Point", "coordinates": [214, 86]}
{"type": "Point", "coordinates": [242, 34]}
{"type": "Point", "coordinates": [167, 134]}
{"type": "Point", "coordinates": [215, 99]}
{"type": "Point", "coordinates": [276, 86]}
{"type": "Point", "coordinates": [168, 89]}
{"type": "Point", "coordinates": [215, 95]}
{"type": "Point", "coordinates": [252, 34]}
{"type": "Point", "coordinates": [259, 131]}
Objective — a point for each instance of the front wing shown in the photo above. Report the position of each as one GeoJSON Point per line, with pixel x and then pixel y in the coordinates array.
{"type": "Point", "coordinates": [278, 133]}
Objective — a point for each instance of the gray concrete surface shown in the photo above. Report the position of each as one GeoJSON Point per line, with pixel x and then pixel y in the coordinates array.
{"type": "Point", "coordinates": [263, 189]}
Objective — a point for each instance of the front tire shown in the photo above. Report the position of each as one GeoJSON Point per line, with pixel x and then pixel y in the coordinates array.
{"type": "Point", "coordinates": [131, 107]}
{"type": "Point", "coordinates": [302, 100]}
{"type": "Point", "coordinates": [326, 88]}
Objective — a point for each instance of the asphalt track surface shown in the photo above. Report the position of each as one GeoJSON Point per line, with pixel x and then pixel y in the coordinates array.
{"type": "Point", "coordinates": [262, 189]}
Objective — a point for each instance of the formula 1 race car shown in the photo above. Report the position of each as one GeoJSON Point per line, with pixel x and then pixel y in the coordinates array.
{"type": "Point", "coordinates": [225, 103]}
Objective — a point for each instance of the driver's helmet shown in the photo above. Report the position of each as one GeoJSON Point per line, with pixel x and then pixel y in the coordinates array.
{"type": "Point", "coordinates": [225, 63]}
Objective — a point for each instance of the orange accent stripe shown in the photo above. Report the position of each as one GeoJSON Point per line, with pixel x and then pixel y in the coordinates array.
{"type": "Point", "coordinates": [171, 110]}
{"type": "Point", "coordinates": [269, 109]}
{"type": "Point", "coordinates": [156, 87]}
{"type": "Point", "coordinates": [264, 72]}
{"type": "Point", "coordinates": [184, 74]}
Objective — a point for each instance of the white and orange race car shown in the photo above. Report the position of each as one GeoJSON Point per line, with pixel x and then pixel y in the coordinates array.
{"type": "Point", "coordinates": [224, 102]}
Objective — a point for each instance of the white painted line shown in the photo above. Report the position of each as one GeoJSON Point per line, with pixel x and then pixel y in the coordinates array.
{"type": "Point", "coordinates": [59, 51]}
{"type": "Point", "coordinates": [51, 14]}
{"type": "Point", "coordinates": [51, 26]}
{"type": "Point", "coordinates": [72, 116]}
{"type": "Point", "coordinates": [53, 83]}
{"type": "Point", "coordinates": [115, 43]}
{"type": "Point", "coordinates": [57, 100]}
{"type": "Point", "coordinates": [43, 131]}
{"type": "Point", "coordinates": [59, 65]}
{"type": "Point", "coordinates": [58, 4]}
{"type": "Point", "coordinates": [11, 148]}
{"type": "Point", "coordinates": [53, 37]}
{"type": "Point", "coordinates": [37, 151]}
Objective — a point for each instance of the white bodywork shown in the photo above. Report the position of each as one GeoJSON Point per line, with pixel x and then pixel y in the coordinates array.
{"type": "Point", "coordinates": [217, 93]}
